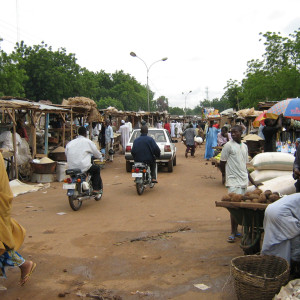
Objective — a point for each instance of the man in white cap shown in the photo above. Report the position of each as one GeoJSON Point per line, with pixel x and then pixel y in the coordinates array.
{"type": "Point", "coordinates": [124, 130]}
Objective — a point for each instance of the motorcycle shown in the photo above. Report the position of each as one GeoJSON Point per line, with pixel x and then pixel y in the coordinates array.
{"type": "Point", "coordinates": [79, 186]}
{"type": "Point", "coordinates": [142, 176]}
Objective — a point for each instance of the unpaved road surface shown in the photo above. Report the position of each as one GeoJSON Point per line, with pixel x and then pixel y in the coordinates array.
{"type": "Point", "coordinates": [154, 246]}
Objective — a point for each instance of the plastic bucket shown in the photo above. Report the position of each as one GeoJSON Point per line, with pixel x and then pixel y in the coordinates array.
{"type": "Point", "coordinates": [61, 168]}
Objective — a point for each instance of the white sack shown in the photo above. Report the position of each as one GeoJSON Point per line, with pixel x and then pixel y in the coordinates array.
{"type": "Point", "coordinates": [264, 175]}
{"type": "Point", "coordinates": [273, 161]}
{"type": "Point", "coordinates": [198, 139]}
{"type": "Point", "coordinates": [283, 185]}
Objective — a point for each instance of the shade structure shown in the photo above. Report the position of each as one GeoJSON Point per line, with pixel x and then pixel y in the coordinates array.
{"type": "Point", "coordinates": [290, 108]}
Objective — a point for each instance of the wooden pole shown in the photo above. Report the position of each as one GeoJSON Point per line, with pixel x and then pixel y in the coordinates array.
{"type": "Point", "coordinates": [90, 130]}
{"type": "Point", "coordinates": [71, 124]}
{"type": "Point", "coordinates": [33, 133]}
{"type": "Point", "coordinates": [64, 131]}
{"type": "Point", "coordinates": [46, 133]}
{"type": "Point", "coordinates": [15, 143]}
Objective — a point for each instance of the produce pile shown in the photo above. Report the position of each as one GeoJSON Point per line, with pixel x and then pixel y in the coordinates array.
{"type": "Point", "coordinates": [256, 196]}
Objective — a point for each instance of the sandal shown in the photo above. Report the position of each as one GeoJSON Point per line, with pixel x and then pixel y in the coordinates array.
{"type": "Point", "coordinates": [27, 276]}
{"type": "Point", "coordinates": [231, 239]}
{"type": "Point", "coordinates": [238, 235]}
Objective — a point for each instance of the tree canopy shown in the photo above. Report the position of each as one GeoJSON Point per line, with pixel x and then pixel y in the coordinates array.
{"type": "Point", "coordinates": [40, 73]}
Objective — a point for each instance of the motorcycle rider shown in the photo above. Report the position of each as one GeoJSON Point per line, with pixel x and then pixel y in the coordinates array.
{"type": "Point", "coordinates": [145, 150]}
{"type": "Point", "coordinates": [79, 152]}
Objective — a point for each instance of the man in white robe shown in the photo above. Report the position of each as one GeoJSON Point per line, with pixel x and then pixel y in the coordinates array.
{"type": "Point", "coordinates": [172, 129]}
{"type": "Point", "coordinates": [124, 130]}
{"type": "Point", "coordinates": [282, 227]}
{"type": "Point", "coordinates": [128, 123]}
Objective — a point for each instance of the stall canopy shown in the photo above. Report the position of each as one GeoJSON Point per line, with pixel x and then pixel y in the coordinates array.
{"type": "Point", "coordinates": [35, 110]}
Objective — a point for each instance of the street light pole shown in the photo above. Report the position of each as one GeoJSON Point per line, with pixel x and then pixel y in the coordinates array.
{"type": "Point", "coordinates": [148, 69]}
{"type": "Point", "coordinates": [186, 94]}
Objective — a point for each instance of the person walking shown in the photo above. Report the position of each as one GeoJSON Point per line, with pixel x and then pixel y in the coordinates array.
{"type": "Point", "coordinates": [109, 139]}
{"type": "Point", "coordinates": [124, 131]}
{"type": "Point", "coordinates": [189, 135]}
{"type": "Point", "coordinates": [211, 140]}
{"type": "Point", "coordinates": [12, 234]}
{"type": "Point", "coordinates": [233, 165]}
{"type": "Point", "coordinates": [167, 126]}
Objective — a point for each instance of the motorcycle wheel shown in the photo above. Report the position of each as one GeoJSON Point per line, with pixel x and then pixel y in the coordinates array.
{"type": "Point", "coordinates": [140, 188]}
{"type": "Point", "coordinates": [74, 202]}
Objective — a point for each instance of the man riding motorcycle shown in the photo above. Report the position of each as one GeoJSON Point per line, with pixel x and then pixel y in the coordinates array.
{"type": "Point", "coordinates": [79, 152]}
{"type": "Point", "coordinates": [145, 150]}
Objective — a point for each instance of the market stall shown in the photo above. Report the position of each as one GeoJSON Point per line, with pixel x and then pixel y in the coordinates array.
{"type": "Point", "coordinates": [14, 109]}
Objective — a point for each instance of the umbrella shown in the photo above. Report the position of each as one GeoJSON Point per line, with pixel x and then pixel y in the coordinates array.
{"type": "Point", "coordinates": [290, 108]}
{"type": "Point", "coordinates": [260, 119]}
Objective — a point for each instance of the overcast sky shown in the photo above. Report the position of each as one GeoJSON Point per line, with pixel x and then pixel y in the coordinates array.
{"type": "Point", "coordinates": [206, 42]}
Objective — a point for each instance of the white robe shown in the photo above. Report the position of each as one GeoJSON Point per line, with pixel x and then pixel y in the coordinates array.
{"type": "Point", "coordinates": [179, 130]}
{"type": "Point", "coordinates": [172, 129]}
{"type": "Point", "coordinates": [124, 130]}
{"type": "Point", "coordinates": [282, 227]}
{"type": "Point", "coordinates": [129, 125]}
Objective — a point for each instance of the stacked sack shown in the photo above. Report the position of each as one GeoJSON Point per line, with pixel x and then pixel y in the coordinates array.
{"type": "Point", "coordinates": [275, 171]}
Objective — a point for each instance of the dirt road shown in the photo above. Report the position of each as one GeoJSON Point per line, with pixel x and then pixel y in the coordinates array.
{"type": "Point", "coordinates": [127, 246]}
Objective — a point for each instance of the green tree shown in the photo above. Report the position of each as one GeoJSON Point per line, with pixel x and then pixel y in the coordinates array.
{"type": "Point", "coordinates": [12, 78]}
{"type": "Point", "coordinates": [126, 89]}
{"type": "Point", "coordinates": [106, 102]}
{"type": "Point", "coordinates": [162, 104]}
{"type": "Point", "coordinates": [233, 94]}
{"type": "Point", "coordinates": [176, 111]}
{"type": "Point", "coordinates": [276, 76]}
{"type": "Point", "coordinates": [52, 75]}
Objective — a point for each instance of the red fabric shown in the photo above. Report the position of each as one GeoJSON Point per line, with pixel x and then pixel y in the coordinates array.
{"type": "Point", "coordinates": [216, 125]}
{"type": "Point", "coordinates": [167, 126]}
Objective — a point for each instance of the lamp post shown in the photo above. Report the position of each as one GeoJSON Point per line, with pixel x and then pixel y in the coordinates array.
{"type": "Point", "coordinates": [148, 69]}
{"type": "Point", "coordinates": [186, 94]}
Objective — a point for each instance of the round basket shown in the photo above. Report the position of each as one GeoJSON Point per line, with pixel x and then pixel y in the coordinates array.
{"type": "Point", "coordinates": [100, 163]}
{"type": "Point", "coordinates": [43, 168]}
{"type": "Point", "coordinates": [259, 276]}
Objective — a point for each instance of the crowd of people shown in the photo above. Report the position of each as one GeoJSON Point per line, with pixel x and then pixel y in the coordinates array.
{"type": "Point", "coordinates": [282, 219]}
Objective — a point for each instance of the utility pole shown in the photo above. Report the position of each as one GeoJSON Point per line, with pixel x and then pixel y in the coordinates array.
{"type": "Point", "coordinates": [206, 91]}
{"type": "Point", "coordinates": [18, 21]}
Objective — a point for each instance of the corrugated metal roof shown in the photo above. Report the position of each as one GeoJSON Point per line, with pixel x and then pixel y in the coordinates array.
{"type": "Point", "coordinates": [37, 105]}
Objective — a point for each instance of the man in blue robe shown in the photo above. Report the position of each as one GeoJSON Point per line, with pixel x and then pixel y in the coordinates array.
{"type": "Point", "coordinates": [211, 140]}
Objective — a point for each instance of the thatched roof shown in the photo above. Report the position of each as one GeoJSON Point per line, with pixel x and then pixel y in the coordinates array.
{"type": "Point", "coordinates": [84, 105]}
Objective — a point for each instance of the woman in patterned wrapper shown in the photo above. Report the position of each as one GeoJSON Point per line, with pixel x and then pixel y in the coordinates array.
{"type": "Point", "coordinates": [11, 233]}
